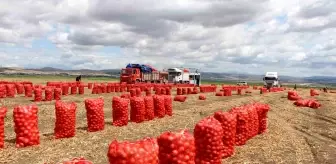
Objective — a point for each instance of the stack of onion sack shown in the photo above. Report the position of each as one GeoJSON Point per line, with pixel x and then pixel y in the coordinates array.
{"type": "Point", "coordinates": [149, 105]}
{"type": "Point", "coordinates": [138, 109]}
{"type": "Point", "coordinates": [138, 152]}
{"type": "Point", "coordinates": [119, 111]}
{"type": "Point", "coordinates": [262, 116]}
{"type": "Point", "coordinates": [201, 97]}
{"type": "Point", "coordinates": [176, 148]}
{"type": "Point", "coordinates": [3, 111]}
{"type": "Point", "coordinates": [3, 91]}
{"type": "Point", "coordinates": [168, 105]}
{"type": "Point", "coordinates": [208, 135]}
{"type": "Point", "coordinates": [19, 88]}
{"type": "Point", "coordinates": [180, 98]}
{"type": "Point", "coordinates": [80, 160]}
{"type": "Point", "coordinates": [48, 94]}
{"type": "Point", "coordinates": [26, 125]}
{"type": "Point", "coordinates": [38, 94]}
{"type": "Point", "coordinates": [242, 131]}
{"type": "Point", "coordinates": [28, 90]}
{"type": "Point", "coordinates": [10, 90]}
{"type": "Point", "coordinates": [229, 125]}
{"type": "Point", "coordinates": [159, 106]}
{"type": "Point", "coordinates": [57, 93]}
{"type": "Point", "coordinates": [65, 125]}
{"type": "Point", "coordinates": [293, 96]}
{"type": "Point", "coordinates": [133, 92]}
{"type": "Point", "coordinates": [95, 114]}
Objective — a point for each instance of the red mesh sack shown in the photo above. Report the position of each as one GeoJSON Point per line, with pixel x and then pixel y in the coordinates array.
{"type": "Point", "coordinates": [19, 88]}
{"type": "Point", "coordinates": [262, 110]}
{"type": "Point", "coordinates": [201, 97]}
{"type": "Point", "coordinates": [184, 91]}
{"type": "Point", "coordinates": [26, 125]}
{"type": "Point", "coordinates": [38, 94]}
{"type": "Point", "coordinates": [103, 88]}
{"type": "Point", "coordinates": [163, 91]}
{"type": "Point", "coordinates": [159, 106]}
{"type": "Point", "coordinates": [138, 91]}
{"type": "Point", "coordinates": [73, 90]}
{"type": "Point", "coordinates": [209, 135]}
{"type": "Point", "coordinates": [108, 88]}
{"type": "Point", "coordinates": [179, 91]}
{"type": "Point", "coordinates": [176, 148]}
{"type": "Point", "coordinates": [293, 96]}
{"type": "Point", "coordinates": [138, 152]}
{"type": "Point", "coordinates": [219, 94]}
{"type": "Point", "coordinates": [3, 91]}
{"type": "Point", "coordinates": [158, 91]}
{"type": "Point", "coordinates": [48, 94]}
{"type": "Point", "coordinates": [80, 160]}
{"type": "Point", "coordinates": [3, 111]}
{"type": "Point", "coordinates": [189, 91]}
{"type": "Point", "coordinates": [57, 93]}
{"type": "Point", "coordinates": [117, 88]}
{"type": "Point", "coordinates": [81, 89]}
{"type": "Point", "coordinates": [239, 91]}
{"type": "Point", "coordinates": [138, 109]}
{"type": "Point", "coordinates": [149, 104]}
{"type": "Point", "coordinates": [10, 90]}
{"type": "Point", "coordinates": [95, 114]}
{"type": "Point", "coordinates": [168, 105]}
{"type": "Point", "coordinates": [65, 90]}
{"type": "Point", "coordinates": [65, 124]}
{"type": "Point", "coordinates": [113, 88]}
{"type": "Point", "coordinates": [242, 133]}
{"type": "Point", "coordinates": [120, 111]}
{"type": "Point", "coordinates": [133, 92]}
{"type": "Point", "coordinates": [90, 85]}
{"type": "Point", "coordinates": [180, 98]}
{"type": "Point", "coordinates": [28, 90]}
{"type": "Point", "coordinates": [229, 125]}
{"type": "Point", "coordinates": [168, 91]}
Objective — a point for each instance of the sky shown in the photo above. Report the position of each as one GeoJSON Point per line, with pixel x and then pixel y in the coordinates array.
{"type": "Point", "coordinates": [291, 37]}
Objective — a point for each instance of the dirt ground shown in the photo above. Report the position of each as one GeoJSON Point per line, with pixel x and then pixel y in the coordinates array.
{"type": "Point", "coordinates": [295, 135]}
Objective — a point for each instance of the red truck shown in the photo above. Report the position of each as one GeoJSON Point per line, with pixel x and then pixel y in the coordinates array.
{"type": "Point", "coordinates": [136, 75]}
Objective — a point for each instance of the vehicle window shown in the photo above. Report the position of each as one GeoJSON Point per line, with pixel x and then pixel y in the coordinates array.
{"type": "Point", "coordinates": [270, 78]}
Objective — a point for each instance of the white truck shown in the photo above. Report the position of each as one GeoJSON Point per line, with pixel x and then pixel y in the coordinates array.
{"type": "Point", "coordinates": [271, 79]}
{"type": "Point", "coordinates": [177, 75]}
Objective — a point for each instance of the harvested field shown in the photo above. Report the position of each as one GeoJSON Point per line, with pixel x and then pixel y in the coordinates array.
{"type": "Point", "coordinates": [295, 135]}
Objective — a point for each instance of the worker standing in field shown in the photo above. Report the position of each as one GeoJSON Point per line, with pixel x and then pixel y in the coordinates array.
{"type": "Point", "coordinates": [79, 78]}
{"type": "Point", "coordinates": [295, 87]}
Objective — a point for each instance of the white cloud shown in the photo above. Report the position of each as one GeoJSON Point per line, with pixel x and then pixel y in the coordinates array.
{"type": "Point", "coordinates": [240, 35]}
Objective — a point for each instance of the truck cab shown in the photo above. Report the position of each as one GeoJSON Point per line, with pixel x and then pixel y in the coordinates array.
{"type": "Point", "coordinates": [176, 75]}
{"type": "Point", "coordinates": [130, 75]}
{"type": "Point", "coordinates": [195, 78]}
{"type": "Point", "coordinates": [271, 79]}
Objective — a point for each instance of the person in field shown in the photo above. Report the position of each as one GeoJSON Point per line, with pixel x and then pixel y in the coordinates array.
{"type": "Point", "coordinates": [79, 78]}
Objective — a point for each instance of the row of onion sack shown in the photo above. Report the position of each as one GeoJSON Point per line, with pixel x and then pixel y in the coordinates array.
{"type": "Point", "coordinates": [300, 102]}
{"type": "Point", "coordinates": [142, 109]}
{"type": "Point", "coordinates": [214, 138]}
{"type": "Point", "coordinates": [50, 92]}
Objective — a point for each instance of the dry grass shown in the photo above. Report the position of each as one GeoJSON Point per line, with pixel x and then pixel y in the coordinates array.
{"type": "Point", "coordinates": [295, 135]}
